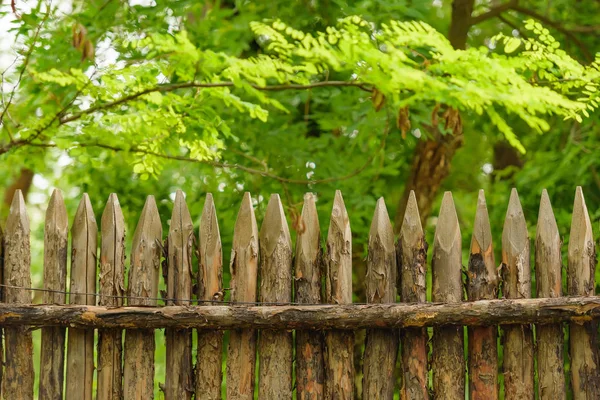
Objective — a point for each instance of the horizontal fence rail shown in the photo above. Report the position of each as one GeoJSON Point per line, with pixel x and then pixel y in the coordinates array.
{"type": "Point", "coordinates": [290, 325]}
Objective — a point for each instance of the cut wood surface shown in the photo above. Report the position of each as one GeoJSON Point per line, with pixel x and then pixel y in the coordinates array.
{"type": "Point", "coordinates": [52, 360]}
{"type": "Point", "coordinates": [310, 373]}
{"type": "Point", "coordinates": [138, 374]}
{"type": "Point", "coordinates": [179, 383]}
{"type": "Point", "coordinates": [583, 344]}
{"type": "Point", "coordinates": [18, 367]}
{"type": "Point", "coordinates": [482, 284]}
{"type": "Point", "coordinates": [339, 346]}
{"type": "Point", "coordinates": [112, 285]}
{"type": "Point", "coordinates": [210, 287]}
{"type": "Point", "coordinates": [275, 347]}
{"type": "Point", "coordinates": [80, 342]}
{"type": "Point", "coordinates": [516, 284]}
{"type": "Point", "coordinates": [381, 345]}
{"type": "Point", "coordinates": [412, 264]}
{"type": "Point", "coordinates": [448, 343]}
{"type": "Point", "coordinates": [241, 354]}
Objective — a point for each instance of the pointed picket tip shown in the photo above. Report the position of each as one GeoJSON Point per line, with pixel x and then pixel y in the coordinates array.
{"type": "Point", "coordinates": [149, 226]}
{"type": "Point", "coordinates": [210, 235]}
{"type": "Point", "coordinates": [581, 227]}
{"type": "Point", "coordinates": [180, 216]}
{"type": "Point", "coordinates": [381, 226]}
{"type": "Point", "coordinates": [274, 229]}
{"type": "Point", "coordinates": [339, 216]}
{"type": "Point", "coordinates": [84, 216]}
{"type": "Point", "coordinates": [56, 213]}
{"type": "Point", "coordinates": [547, 229]}
{"type": "Point", "coordinates": [482, 232]}
{"type": "Point", "coordinates": [17, 218]}
{"type": "Point", "coordinates": [246, 229]}
{"type": "Point", "coordinates": [447, 230]}
{"type": "Point", "coordinates": [514, 233]}
{"type": "Point", "coordinates": [112, 216]}
{"type": "Point", "coordinates": [307, 242]}
{"type": "Point", "coordinates": [411, 224]}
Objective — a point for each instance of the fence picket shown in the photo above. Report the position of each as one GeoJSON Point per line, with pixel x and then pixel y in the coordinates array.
{"type": "Point", "coordinates": [310, 372]}
{"type": "Point", "coordinates": [585, 377]}
{"type": "Point", "coordinates": [52, 359]}
{"type": "Point", "coordinates": [516, 284]}
{"type": "Point", "coordinates": [275, 347]}
{"type": "Point", "coordinates": [339, 345]}
{"type": "Point", "coordinates": [80, 342]}
{"type": "Point", "coordinates": [548, 267]}
{"type": "Point", "coordinates": [1, 300]}
{"type": "Point", "coordinates": [448, 345]}
{"type": "Point", "coordinates": [138, 375]}
{"type": "Point", "coordinates": [210, 287]}
{"type": "Point", "coordinates": [482, 285]}
{"type": "Point", "coordinates": [179, 377]}
{"type": "Point", "coordinates": [18, 368]}
{"type": "Point", "coordinates": [381, 345]}
{"type": "Point", "coordinates": [112, 269]}
{"type": "Point", "coordinates": [412, 263]}
{"type": "Point", "coordinates": [241, 354]}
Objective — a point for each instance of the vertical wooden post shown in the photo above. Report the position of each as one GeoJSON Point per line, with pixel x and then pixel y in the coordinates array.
{"type": "Point", "coordinates": [381, 345]}
{"type": "Point", "coordinates": [275, 347]}
{"type": "Point", "coordinates": [1, 300]}
{"type": "Point", "coordinates": [179, 379]}
{"type": "Point", "coordinates": [585, 377]}
{"type": "Point", "coordinates": [448, 345]}
{"type": "Point", "coordinates": [112, 269]}
{"type": "Point", "coordinates": [241, 355]}
{"type": "Point", "coordinates": [548, 274]}
{"type": "Point", "coordinates": [210, 283]}
{"type": "Point", "coordinates": [18, 372]}
{"type": "Point", "coordinates": [310, 372]}
{"type": "Point", "coordinates": [516, 277]}
{"type": "Point", "coordinates": [339, 345]}
{"type": "Point", "coordinates": [412, 264]}
{"type": "Point", "coordinates": [56, 233]}
{"type": "Point", "coordinates": [144, 275]}
{"type": "Point", "coordinates": [482, 285]}
{"type": "Point", "coordinates": [80, 342]}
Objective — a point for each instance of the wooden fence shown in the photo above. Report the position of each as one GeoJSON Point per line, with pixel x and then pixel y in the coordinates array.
{"type": "Point", "coordinates": [272, 295]}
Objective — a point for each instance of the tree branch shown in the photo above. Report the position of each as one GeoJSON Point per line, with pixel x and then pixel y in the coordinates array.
{"type": "Point", "coordinates": [494, 12]}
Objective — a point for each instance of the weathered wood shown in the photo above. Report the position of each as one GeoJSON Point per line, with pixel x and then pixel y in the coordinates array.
{"type": "Point", "coordinates": [448, 346]}
{"type": "Point", "coordinates": [210, 284]}
{"type": "Point", "coordinates": [516, 284]}
{"type": "Point", "coordinates": [275, 347]}
{"type": "Point", "coordinates": [179, 382]}
{"type": "Point", "coordinates": [548, 274]}
{"type": "Point", "coordinates": [339, 345]}
{"type": "Point", "coordinates": [1, 300]}
{"type": "Point", "coordinates": [138, 375]}
{"type": "Point", "coordinates": [241, 354]}
{"type": "Point", "coordinates": [412, 264]}
{"type": "Point", "coordinates": [112, 269]}
{"type": "Point", "coordinates": [381, 345]}
{"type": "Point", "coordinates": [310, 373]}
{"type": "Point", "coordinates": [482, 284]}
{"type": "Point", "coordinates": [18, 371]}
{"type": "Point", "coordinates": [585, 377]}
{"type": "Point", "coordinates": [56, 233]}
{"type": "Point", "coordinates": [80, 342]}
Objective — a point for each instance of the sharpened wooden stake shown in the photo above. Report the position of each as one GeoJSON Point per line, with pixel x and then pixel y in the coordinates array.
{"type": "Point", "coordinates": [585, 377]}
{"type": "Point", "coordinates": [179, 382]}
{"type": "Point", "coordinates": [138, 375]}
{"type": "Point", "coordinates": [275, 347]}
{"type": "Point", "coordinates": [448, 346]}
{"type": "Point", "coordinates": [381, 345]}
{"type": "Point", "coordinates": [112, 284]}
{"type": "Point", "coordinates": [310, 373]}
{"type": "Point", "coordinates": [482, 285]}
{"type": "Point", "coordinates": [56, 232]}
{"type": "Point", "coordinates": [339, 345]}
{"type": "Point", "coordinates": [80, 342]}
{"type": "Point", "coordinates": [241, 355]}
{"type": "Point", "coordinates": [548, 274]}
{"type": "Point", "coordinates": [18, 371]}
{"type": "Point", "coordinates": [411, 253]}
{"type": "Point", "coordinates": [210, 287]}
{"type": "Point", "coordinates": [516, 278]}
